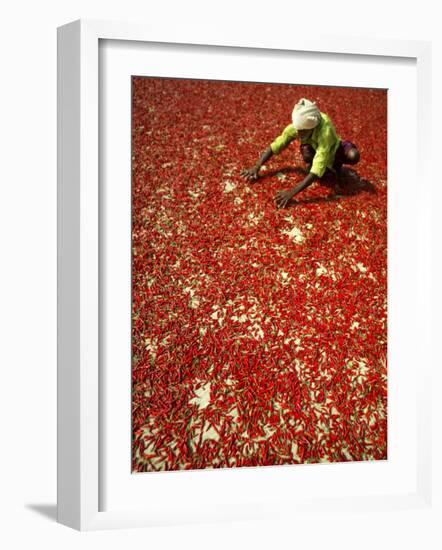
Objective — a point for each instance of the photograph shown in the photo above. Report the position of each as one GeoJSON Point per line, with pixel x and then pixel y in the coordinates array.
{"type": "Point", "coordinates": [259, 274]}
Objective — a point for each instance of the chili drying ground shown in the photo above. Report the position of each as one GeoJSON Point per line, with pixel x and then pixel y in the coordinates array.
{"type": "Point", "coordinates": [258, 335]}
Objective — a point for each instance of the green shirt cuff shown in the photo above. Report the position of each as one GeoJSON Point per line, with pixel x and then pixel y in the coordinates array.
{"type": "Point", "coordinates": [275, 148]}
{"type": "Point", "coordinates": [318, 172]}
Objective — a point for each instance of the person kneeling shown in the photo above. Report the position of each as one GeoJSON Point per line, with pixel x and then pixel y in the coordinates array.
{"type": "Point", "coordinates": [320, 147]}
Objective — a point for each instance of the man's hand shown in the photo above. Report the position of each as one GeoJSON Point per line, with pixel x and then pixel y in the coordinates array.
{"type": "Point", "coordinates": [283, 197]}
{"type": "Point", "coordinates": [251, 174]}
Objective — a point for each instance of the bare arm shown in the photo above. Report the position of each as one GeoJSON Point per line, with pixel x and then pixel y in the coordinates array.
{"type": "Point", "coordinates": [281, 142]}
{"type": "Point", "coordinates": [252, 173]}
{"type": "Point", "coordinates": [283, 197]}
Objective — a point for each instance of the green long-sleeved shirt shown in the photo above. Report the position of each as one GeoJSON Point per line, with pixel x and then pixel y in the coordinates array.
{"type": "Point", "coordinates": [323, 139]}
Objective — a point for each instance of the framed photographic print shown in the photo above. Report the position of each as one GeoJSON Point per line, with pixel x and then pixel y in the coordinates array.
{"type": "Point", "coordinates": [243, 303]}
{"type": "Point", "coordinates": [259, 332]}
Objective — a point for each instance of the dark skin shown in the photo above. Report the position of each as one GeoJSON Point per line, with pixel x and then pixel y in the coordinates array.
{"type": "Point", "coordinates": [283, 197]}
{"type": "Point", "coordinates": [252, 174]}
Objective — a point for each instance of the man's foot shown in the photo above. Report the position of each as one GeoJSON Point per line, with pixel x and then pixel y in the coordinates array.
{"type": "Point", "coordinates": [347, 181]}
{"type": "Point", "coordinates": [347, 175]}
{"type": "Point", "coordinates": [340, 181]}
{"type": "Point", "coordinates": [339, 190]}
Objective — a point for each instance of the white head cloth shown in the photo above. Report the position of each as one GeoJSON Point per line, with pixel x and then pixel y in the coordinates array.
{"type": "Point", "coordinates": [306, 115]}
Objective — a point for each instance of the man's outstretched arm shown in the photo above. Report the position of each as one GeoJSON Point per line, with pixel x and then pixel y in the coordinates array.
{"type": "Point", "coordinates": [252, 173]}
{"type": "Point", "coordinates": [279, 144]}
{"type": "Point", "coordinates": [283, 197]}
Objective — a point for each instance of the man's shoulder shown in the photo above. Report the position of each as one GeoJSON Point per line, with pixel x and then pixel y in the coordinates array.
{"type": "Point", "coordinates": [326, 125]}
{"type": "Point", "coordinates": [290, 130]}
{"type": "Point", "coordinates": [326, 119]}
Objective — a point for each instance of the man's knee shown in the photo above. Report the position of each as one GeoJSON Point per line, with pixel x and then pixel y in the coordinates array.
{"type": "Point", "coordinates": [353, 156]}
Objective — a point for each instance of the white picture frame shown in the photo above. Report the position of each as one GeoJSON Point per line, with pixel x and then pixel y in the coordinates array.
{"type": "Point", "coordinates": [79, 447]}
